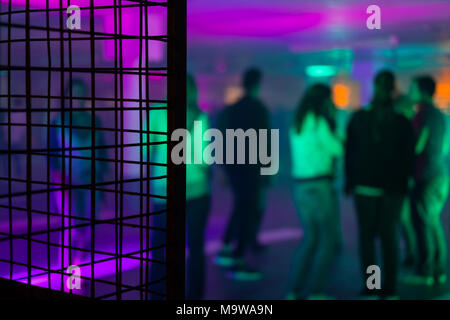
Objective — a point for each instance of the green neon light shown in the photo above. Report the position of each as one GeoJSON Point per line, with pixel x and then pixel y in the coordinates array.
{"type": "Point", "coordinates": [321, 71]}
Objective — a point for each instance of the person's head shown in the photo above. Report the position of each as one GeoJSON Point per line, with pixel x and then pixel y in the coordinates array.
{"type": "Point", "coordinates": [422, 89]}
{"type": "Point", "coordinates": [79, 90]}
{"type": "Point", "coordinates": [383, 103]}
{"type": "Point", "coordinates": [384, 91]}
{"type": "Point", "coordinates": [252, 82]}
{"type": "Point", "coordinates": [384, 85]}
{"type": "Point", "coordinates": [317, 100]}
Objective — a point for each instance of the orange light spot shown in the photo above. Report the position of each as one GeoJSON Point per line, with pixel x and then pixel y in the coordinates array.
{"type": "Point", "coordinates": [341, 96]}
{"type": "Point", "coordinates": [443, 90]}
{"type": "Point", "coordinates": [443, 95]}
{"type": "Point", "coordinates": [233, 94]}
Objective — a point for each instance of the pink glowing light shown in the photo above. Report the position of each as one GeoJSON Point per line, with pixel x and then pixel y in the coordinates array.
{"type": "Point", "coordinates": [131, 24]}
{"type": "Point", "coordinates": [252, 22]}
{"type": "Point", "coordinates": [316, 21]}
{"type": "Point", "coordinates": [41, 4]}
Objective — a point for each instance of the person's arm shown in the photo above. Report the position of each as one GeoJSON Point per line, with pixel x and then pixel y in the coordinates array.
{"type": "Point", "coordinates": [268, 179]}
{"type": "Point", "coordinates": [267, 125]}
{"type": "Point", "coordinates": [205, 126]}
{"type": "Point", "coordinates": [422, 140]}
{"type": "Point", "coordinates": [409, 152]}
{"type": "Point", "coordinates": [349, 156]}
{"type": "Point", "coordinates": [158, 123]}
{"type": "Point", "coordinates": [329, 141]}
{"type": "Point", "coordinates": [445, 146]}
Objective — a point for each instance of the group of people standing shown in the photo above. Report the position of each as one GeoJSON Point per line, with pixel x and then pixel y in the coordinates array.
{"type": "Point", "coordinates": [395, 169]}
{"type": "Point", "coordinates": [392, 163]}
{"type": "Point", "coordinates": [394, 152]}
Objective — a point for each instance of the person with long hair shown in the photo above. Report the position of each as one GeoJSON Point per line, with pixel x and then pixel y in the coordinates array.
{"type": "Point", "coordinates": [197, 198]}
{"type": "Point", "coordinates": [314, 148]}
{"type": "Point", "coordinates": [378, 162]}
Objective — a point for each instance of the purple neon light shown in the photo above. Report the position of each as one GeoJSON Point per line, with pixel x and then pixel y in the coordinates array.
{"type": "Point", "coordinates": [252, 21]}
{"type": "Point", "coordinates": [131, 21]}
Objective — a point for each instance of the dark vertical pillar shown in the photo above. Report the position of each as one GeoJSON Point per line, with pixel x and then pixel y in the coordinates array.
{"type": "Point", "coordinates": [176, 175]}
{"type": "Point", "coordinates": [28, 133]}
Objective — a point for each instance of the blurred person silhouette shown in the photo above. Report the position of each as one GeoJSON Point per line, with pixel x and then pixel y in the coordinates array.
{"type": "Point", "coordinates": [314, 148]}
{"type": "Point", "coordinates": [379, 161]}
{"type": "Point", "coordinates": [246, 182]}
{"type": "Point", "coordinates": [431, 184]}
{"type": "Point", "coordinates": [80, 140]}
{"type": "Point", "coordinates": [405, 106]}
{"type": "Point", "coordinates": [197, 197]}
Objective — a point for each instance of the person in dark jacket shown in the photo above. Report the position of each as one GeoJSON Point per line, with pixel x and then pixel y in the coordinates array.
{"type": "Point", "coordinates": [431, 185]}
{"type": "Point", "coordinates": [246, 181]}
{"type": "Point", "coordinates": [378, 162]}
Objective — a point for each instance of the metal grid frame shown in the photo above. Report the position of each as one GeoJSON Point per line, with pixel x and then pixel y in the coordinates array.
{"type": "Point", "coordinates": [175, 72]}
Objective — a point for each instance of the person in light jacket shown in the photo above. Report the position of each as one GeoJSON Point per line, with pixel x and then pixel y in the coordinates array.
{"type": "Point", "coordinates": [198, 198]}
{"type": "Point", "coordinates": [314, 147]}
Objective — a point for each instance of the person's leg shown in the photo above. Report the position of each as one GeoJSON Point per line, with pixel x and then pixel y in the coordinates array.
{"type": "Point", "coordinates": [157, 239]}
{"type": "Point", "coordinates": [424, 230]}
{"type": "Point", "coordinates": [229, 255]}
{"type": "Point", "coordinates": [337, 212]}
{"type": "Point", "coordinates": [366, 210]}
{"type": "Point", "coordinates": [408, 233]}
{"type": "Point", "coordinates": [305, 199]}
{"type": "Point", "coordinates": [260, 217]}
{"type": "Point", "coordinates": [389, 214]}
{"type": "Point", "coordinates": [436, 198]}
{"type": "Point", "coordinates": [440, 262]}
{"type": "Point", "coordinates": [247, 202]}
{"type": "Point", "coordinates": [80, 235]}
{"type": "Point", "coordinates": [327, 236]}
{"type": "Point", "coordinates": [196, 217]}
{"type": "Point", "coordinates": [233, 222]}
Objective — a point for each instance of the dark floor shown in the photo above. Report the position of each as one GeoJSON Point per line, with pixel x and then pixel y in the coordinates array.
{"type": "Point", "coordinates": [282, 232]}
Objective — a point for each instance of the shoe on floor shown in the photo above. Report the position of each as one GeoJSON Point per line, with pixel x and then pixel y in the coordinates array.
{"type": "Point", "coordinates": [291, 296]}
{"type": "Point", "coordinates": [243, 272]}
{"type": "Point", "coordinates": [367, 294]}
{"type": "Point", "coordinates": [418, 280]}
{"type": "Point", "coordinates": [441, 279]}
{"type": "Point", "coordinates": [391, 297]}
{"type": "Point", "coordinates": [226, 257]}
{"type": "Point", "coordinates": [320, 297]}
